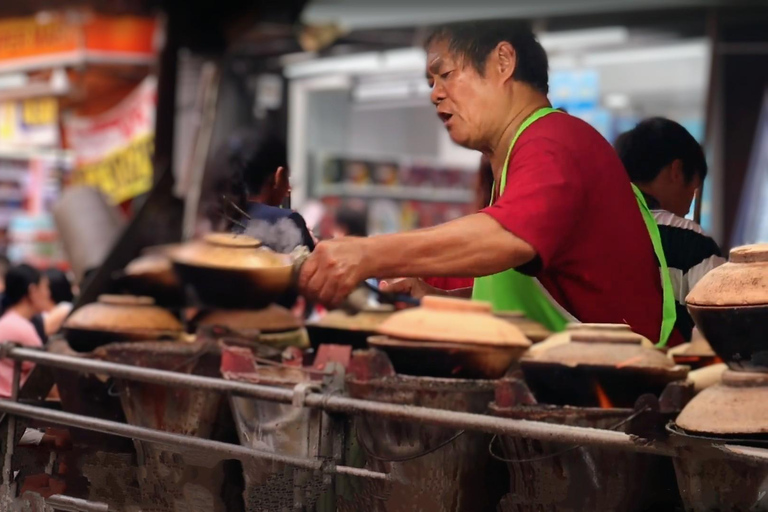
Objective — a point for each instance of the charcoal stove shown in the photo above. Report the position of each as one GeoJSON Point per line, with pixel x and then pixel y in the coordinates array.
{"type": "Point", "coordinates": [431, 468]}
{"type": "Point", "coordinates": [731, 412]}
{"type": "Point", "coordinates": [602, 379]}
{"type": "Point", "coordinates": [287, 428]}
{"type": "Point", "coordinates": [563, 477]}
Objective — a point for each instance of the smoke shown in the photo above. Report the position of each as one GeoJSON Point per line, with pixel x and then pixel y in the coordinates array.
{"type": "Point", "coordinates": [283, 236]}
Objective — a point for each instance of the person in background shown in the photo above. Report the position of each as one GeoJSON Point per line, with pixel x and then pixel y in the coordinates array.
{"type": "Point", "coordinates": [61, 302]}
{"type": "Point", "coordinates": [350, 222]}
{"type": "Point", "coordinates": [666, 163]}
{"type": "Point", "coordinates": [26, 295]}
{"type": "Point", "coordinates": [5, 264]}
{"type": "Point", "coordinates": [260, 162]}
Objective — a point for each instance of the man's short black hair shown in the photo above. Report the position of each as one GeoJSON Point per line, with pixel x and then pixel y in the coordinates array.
{"type": "Point", "coordinates": [655, 143]}
{"type": "Point", "coordinates": [256, 157]}
{"type": "Point", "coordinates": [353, 221]}
{"type": "Point", "coordinates": [475, 40]}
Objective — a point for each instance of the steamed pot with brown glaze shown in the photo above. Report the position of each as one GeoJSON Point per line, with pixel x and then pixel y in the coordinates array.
{"type": "Point", "coordinates": [730, 308]}
{"type": "Point", "coordinates": [119, 318]}
{"type": "Point", "coordinates": [233, 271]}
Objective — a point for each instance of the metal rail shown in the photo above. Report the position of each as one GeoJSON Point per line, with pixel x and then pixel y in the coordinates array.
{"type": "Point", "coordinates": [450, 419]}
{"type": "Point", "coordinates": [225, 450]}
{"type": "Point", "coordinates": [70, 504]}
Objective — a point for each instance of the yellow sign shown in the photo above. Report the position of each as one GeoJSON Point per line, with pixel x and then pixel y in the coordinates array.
{"type": "Point", "coordinates": [39, 111]}
{"type": "Point", "coordinates": [122, 175]}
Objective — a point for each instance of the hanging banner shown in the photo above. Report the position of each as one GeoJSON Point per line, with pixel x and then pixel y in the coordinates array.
{"type": "Point", "coordinates": [29, 42]}
{"type": "Point", "coordinates": [59, 40]}
{"type": "Point", "coordinates": [113, 151]}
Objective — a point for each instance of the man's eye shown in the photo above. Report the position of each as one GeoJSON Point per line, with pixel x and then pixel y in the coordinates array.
{"type": "Point", "coordinates": [446, 74]}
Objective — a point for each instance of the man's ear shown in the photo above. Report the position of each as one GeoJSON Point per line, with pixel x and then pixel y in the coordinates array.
{"type": "Point", "coordinates": [676, 174]}
{"type": "Point", "coordinates": [279, 176]}
{"type": "Point", "coordinates": [505, 58]}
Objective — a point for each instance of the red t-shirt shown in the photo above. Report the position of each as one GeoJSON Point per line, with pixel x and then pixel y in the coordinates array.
{"type": "Point", "coordinates": [568, 196]}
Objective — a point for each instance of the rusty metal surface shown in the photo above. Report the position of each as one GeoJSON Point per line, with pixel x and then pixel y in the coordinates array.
{"type": "Point", "coordinates": [711, 482]}
{"type": "Point", "coordinates": [559, 477]}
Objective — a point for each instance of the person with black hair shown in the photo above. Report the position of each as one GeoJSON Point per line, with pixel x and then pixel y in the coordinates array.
{"type": "Point", "coordinates": [26, 294]}
{"type": "Point", "coordinates": [351, 222]}
{"type": "Point", "coordinates": [667, 164]}
{"type": "Point", "coordinates": [563, 210]}
{"type": "Point", "coordinates": [258, 162]}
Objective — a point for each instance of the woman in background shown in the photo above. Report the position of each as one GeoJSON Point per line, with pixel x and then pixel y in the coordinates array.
{"type": "Point", "coordinates": [26, 295]}
{"type": "Point", "coordinates": [60, 304]}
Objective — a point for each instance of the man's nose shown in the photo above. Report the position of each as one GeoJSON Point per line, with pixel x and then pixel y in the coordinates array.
{"type": "Point", "coordinates": [437, 95]}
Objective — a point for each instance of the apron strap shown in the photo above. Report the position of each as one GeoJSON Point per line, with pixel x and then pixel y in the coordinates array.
{"type": "Point", "coordinates": [528, 122]}
{"type": "Point", "coordinates": [669, 314]}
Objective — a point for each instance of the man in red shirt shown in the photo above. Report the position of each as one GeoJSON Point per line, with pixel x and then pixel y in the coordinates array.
{"type": "Point", "coordinates": [567, 214]}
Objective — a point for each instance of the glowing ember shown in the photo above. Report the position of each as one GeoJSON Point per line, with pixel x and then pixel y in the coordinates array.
{"type": "Point", "coordinates": [602, 397]}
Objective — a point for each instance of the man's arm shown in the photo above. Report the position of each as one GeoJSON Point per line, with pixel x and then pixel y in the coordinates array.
{"type": "Point", "coordinates": [472, 246]}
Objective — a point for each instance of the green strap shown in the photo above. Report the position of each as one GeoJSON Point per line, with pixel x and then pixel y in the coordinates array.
{"type": "Point", "coordinates": [669, 314]}
{"type": "Point", "coordinates": [528, 122]}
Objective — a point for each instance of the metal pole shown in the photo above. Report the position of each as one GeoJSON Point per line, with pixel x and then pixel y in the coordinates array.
{"type": "Point", "coordinates": [226, 450]}
{"type": "Point", "coordinates": [70, 504]}
{"type": "Point", "coordinates": [11, 438]}
{"type": "Point", "coordinates": [450, 419]}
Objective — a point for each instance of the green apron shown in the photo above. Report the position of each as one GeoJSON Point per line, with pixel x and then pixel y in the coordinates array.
{"type": "Point", "coordinates": [513, 291]}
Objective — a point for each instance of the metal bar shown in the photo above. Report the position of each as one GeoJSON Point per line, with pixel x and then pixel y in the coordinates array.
{"type": "Point", "coordinates": [479, 422]}
{"type": "Point", "coordinates": [70, 504]}
{"type": "Point", "coordinates": [151, 375]}
{"type": "Point", "coordinates": [232, 451]}
{"type": "Point", "coordinates": [450, 419]}
{"type": "Point", "coordinates": [11, 435]}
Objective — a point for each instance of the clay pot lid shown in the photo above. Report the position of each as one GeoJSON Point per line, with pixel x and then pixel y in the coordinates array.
{"type": "Point", "coordinates": [607, 345]}
{"type": "Point", "coordinates": [271, 319]}
{"type": "Point", "coordinates": [735, 406]}
{"type": "Point", "coordinates": [532, 329]}
{"type": "Point", "coordinates": [365, 321]}
{"type": "Point", "coordinates": [228, 252]}
{"type": "Point", "coordinates": [123, 313]}
{"type": "Point", "coordinates": [149, 264]}
{"type": "Point", "coordinates": [452, 320]}
{"type": "Point", "coordinates": [741, 282]}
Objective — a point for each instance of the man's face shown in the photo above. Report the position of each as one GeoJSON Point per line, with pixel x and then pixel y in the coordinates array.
{"type": "Point", "coordinates": [686, 195]}
{"type": "Point", "coordinates": [467, 103]}
{"type": "Point", "coordinates": [679, 190]}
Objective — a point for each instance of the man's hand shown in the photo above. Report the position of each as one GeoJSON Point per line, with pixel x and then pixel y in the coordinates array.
{"type": "Point", "coordinates": [412, 286]}
{"type": "Point", "coordinates": [333, 270]}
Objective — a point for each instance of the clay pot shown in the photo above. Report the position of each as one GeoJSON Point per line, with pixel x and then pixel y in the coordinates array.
{"type": "Point", "coordinates": [450, 338]}
{"type": "Point", "coordinates": [273, 326]}
{"type": "Point", "coordinates": [233, 271]}
{"type": "Point", "coordinates": [735, 406]}
{"type": "Point", "coordinates": [152, 275]}
{"type": "Point", "coordinates": [345, 328]}
{"type": "Point", "coordinates": [612, 358]}
{"type": "Point", "coordinates": [730, 308]}
{"type": "Point", "coordinates": [595, 331]}
{"type": "Point", "coordinates": [119, 318]}
{"type": "Point", "coordinates": [271, 319]}
{"type": "Point", "coordinates": [532, 329]}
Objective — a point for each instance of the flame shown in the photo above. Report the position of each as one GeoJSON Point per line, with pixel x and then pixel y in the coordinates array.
{"type": "Point", "coordinates": [602, 397]}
